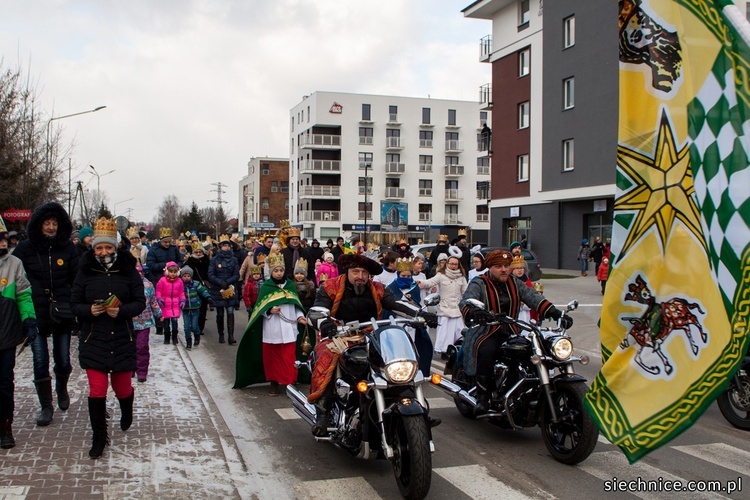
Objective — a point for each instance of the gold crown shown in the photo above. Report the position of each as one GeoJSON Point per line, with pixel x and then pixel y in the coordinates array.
{"type": "Point", "coordinates": [284, 223]}
{"type": "Point", "coordinates": [443, 237]}
{"type": "Point", "coordinates": [260, 258]}
{"type": "Point", "coordinates": [165, 232]}
{"type": "Point", "coordinates": [301, 262]}
{"type": "Point", "coordinates": [223, 238]}
{"type": "Point", "coordinates": [518, 262]}
{"type": "Point", "coordinates": [3, 228]}
{"type": "Point", "coordinates": [132, 232]}
{"type": "Point", "coordinates": [293, 231]}
{"type": "Point", "coordinates": [196, 245]}
{"type": "Point", "coordinates": [404, 264]}
{"type": "Point", "coordinates": [275, 260]}
{"type": "Point", "coordinates": [462, 232]}
{"type": "Point", "coordinates": [105, 227]}
{"type": "Point", "coordinates": [255, 270]}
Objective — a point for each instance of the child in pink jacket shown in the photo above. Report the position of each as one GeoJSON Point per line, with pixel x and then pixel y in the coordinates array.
{"type": "Point", "coordinates": [327, 270]}
{"type": "Point", "coordinates": [170, 294]}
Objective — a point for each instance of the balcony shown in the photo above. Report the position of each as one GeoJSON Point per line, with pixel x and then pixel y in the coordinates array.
{"type": "Point", "coordinates": [426, 125]}
{"type": "Point", "coordinates": [394, 192]}
{"type": "Point", "coordinates": [451, 219]}
{"type": "Point", "coordinates": [361, 190]}
{"type": "Point", "coordinates": [425, 143]}
{"type": "Point", "coordinates": [315, 191]}
{"type": "Point", "coordinates": [393, 143]}
{"type": "Point", "coordinates": [394, 168]}
{"type": "Point", "coordinates": [365, 140]}
{"type": "Point", "coordinates": [319, 215]}
{"type": "Point", "coordinates": [324, 141]}
{"type": "Point", "coordinates": [483, 170]}
{"type": "Point", "coordinates": [425, 191]}
{"type": "Point", "coordinates": [320, 167]}
{"type": "Point", "coordinates": [453, 194]}
{"type": "Point", "coordinates": [425, 167]}
{"type": "Point", "coordinates": [454, 170]}
{"type": "Point", "coordinates": [393, 120]}
{"type": "Point", "coordinates": [485, 96]}
{"type": "Point", "coordinates": [361, 215]}
{"type": "Point", "coordinates": [485, 48]}
{"type": "Point", "coordinates": [454, 146]}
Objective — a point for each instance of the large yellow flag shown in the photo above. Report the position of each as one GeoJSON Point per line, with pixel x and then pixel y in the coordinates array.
{"type": "Point", "coordinates": [675, 316]}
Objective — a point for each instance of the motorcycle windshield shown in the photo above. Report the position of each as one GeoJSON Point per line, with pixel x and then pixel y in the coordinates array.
{"type": "Point", "coordinates": [394, 343]}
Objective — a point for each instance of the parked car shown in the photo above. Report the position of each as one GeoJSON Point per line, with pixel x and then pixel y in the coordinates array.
{"type": "Point", "coordinates": [532, 261]}
{"type": "Point", "coordinates": [425, 249]}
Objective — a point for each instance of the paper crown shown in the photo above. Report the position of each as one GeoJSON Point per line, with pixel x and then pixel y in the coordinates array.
{"type": "Point", "coordinates": [518, 262]}
{"type": "Point", "coordinates": [260, 258]}
{"type": "Point", "coordinates": [293, 231]}
{"type": "Point", "coordinates": [284, 223]}
{"type": "Point", "coordinates": [132, 232]}
{"type": "Point", "coordinates": [3, 228]}
{"type": "Point", "coordinates": [404, 264]}
{"type": "Point", "coordinates": [462, 232]}
{"type": "Point", "coordinates": [255, 270]}
{"type": "Point", "coordinates": [443, 237]}
{"type": "Point", "coordinates": [276, 260]}
{"type": "Point", "coordinates": [223, 238]}
{"type": "Point", "coordinates": [301, 264]}
{"type": "Point", "coordinates": [165, 232]}
{"type": "Point", "coordinates": [196, 245]}
{"type": "Point", "coordinates": [193, 237]}
{"type": "Point", "coordinates": [106, 228]}
{"type": "Point", "coordinates": [403, 242]}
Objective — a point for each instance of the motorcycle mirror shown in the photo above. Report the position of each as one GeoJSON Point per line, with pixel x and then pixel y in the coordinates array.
{"type": "Point", "coordinates": [572, 305]}
{"type": "Point", "coordinates": [432, 299]}
{"type": "Point", "coordinates": [321, 310]}
{"type": "Point", "coordinates": [475, 303]}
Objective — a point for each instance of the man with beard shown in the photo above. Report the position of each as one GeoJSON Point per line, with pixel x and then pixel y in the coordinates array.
{"type": "Point", "coordinates": [51, 263]}
{"type": "Point", "coordinates": [353, 296]}
{"type": "Point", "coordinates": [501, 293]}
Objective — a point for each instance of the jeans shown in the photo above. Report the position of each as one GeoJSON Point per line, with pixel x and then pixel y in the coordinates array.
{"type": "Point", "coordinates": [60, 355]}
{"type": "Point", "coordinates": [190, 320]}
{"type": "Point", "coordinates": [7, 364]}
{"type": "Point", "coordinates": [170, 326]}
{"type": "Point", "coordinates": [220, 311]}
{"type": "Point", "coordinates": [584, 265]}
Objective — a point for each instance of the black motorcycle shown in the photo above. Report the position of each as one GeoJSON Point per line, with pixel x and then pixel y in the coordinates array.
{"type": "Point", "coordinates": [734, 403]}
{"type": "Point", "coordinates": [535, 384]}
{"type": "Point", "coordinates": [379, 408]}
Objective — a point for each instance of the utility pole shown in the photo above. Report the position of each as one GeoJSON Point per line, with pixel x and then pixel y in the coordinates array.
{"type": "Point", "coordinates": [219, 191]}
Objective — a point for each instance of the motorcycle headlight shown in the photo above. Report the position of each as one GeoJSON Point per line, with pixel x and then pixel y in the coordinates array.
{"type": "Point", "coordinates": [400, 372]}
{"type": "Point", "coordinates": [562, 348]}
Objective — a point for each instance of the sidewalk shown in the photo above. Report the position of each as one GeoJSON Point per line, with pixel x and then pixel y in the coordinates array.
{"type": "Point", "coordinates": [179, 446]}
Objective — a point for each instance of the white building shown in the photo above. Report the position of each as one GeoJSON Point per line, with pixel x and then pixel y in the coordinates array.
{"type": "Point", "coordinates": [384, 168]}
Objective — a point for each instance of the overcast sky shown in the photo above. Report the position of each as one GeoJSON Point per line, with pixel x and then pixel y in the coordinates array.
{"type": "Point", "coordinates": [195, 88]}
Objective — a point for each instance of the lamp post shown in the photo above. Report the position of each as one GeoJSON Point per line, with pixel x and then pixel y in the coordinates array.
{"type": "Point", "coordinates": [115, 206]}
{"type": "Point", "coordinates": [98, 178]}
{"type": "Point", "coordinates": [364, 233]}
{"type": "Point", "coordinates": [46, 151]}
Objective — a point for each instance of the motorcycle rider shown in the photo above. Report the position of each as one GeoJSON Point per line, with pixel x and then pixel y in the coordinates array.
{"type": "Point", "coordinates": [502, 293]}
{"type": "Point", "coordinates": [353, 296]}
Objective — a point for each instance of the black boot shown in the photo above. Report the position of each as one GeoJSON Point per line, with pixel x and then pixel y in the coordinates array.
{"type": "Point", "coordinates": [322, 413]}
{"type": "Point", "coordinates": [6, 435]}
{"type": "Point", "coordinates": [98, 417]}
{"type": "Point", "coordinates": [174, 338]}
{"type": "Point", "coordinates": [166, 337]}
{"type": "Point", "coordinates": [189, 344]}
{"type": "Point", "coordinates": [220, 327]}
{"type": "Point", "coordinates": [483, 395]}
{"type": "Point", "coordinates": [126, 411]}
{"type": "Point", "coordinates": [44, 392]}
{"type": "Point", "coordinates": [197, 339]}
{"type": "Point", "coordinates": [230, 329]}
{"type": "Point", "coordinates": [61, 387]}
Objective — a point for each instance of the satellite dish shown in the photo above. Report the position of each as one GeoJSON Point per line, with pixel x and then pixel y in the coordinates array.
{"type": "Point", "coordinates": [122, 222]}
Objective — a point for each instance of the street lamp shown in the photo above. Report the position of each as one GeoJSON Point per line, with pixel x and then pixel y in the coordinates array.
{"type": "Point", "coordinates": [364, 233]}
{"type": "Point", "coordinates": [123, 201]}
{"type": "Point", "coordinates": [46, 151]}
{"type": "Point", "coordinates": [98, 178]}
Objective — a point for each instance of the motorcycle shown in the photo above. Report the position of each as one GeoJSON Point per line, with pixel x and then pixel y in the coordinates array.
{"type": "Point", "coordinates": [528, 391]}
{"type": "Point", "coordinates": [734, 403]}
{"type": "Point", "coordinates": [379, 409]}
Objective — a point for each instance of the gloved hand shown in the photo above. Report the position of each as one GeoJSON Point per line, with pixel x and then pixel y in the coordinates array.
{"type": "Point", "coordinates": [160, 302]}
{"type": "Point", "coordinates": [327, 328]}
{"type": "Point", "coordinates": [31, 330]}
{"type": "Point", "coordinates": [224, 285]}
{"type": "Point", "coordinates": [430, 318]}
{"type": "Point", "coordinates": [182, 304]}
{"type": "Point", "coordinates": [556, 314]}
{"type": "Point", "coordinates": [479, 316]}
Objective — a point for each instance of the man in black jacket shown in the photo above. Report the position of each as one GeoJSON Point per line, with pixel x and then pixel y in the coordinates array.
{"type": "Point", "coordinates": [157, 259]}
{"type": "Point", "coordinates": [51, 263]}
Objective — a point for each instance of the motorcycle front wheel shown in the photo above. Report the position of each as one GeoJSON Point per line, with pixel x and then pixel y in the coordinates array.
{"type": "Point", "coordinates": [573, 437]}
{"type": "Point", "coordinates": [412, 461]}
{"type": "Point", "coordinates": [734, 403]}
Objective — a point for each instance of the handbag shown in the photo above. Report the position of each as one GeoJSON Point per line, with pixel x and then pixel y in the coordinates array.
{"type": "Point", "coordinates": [61, 313]}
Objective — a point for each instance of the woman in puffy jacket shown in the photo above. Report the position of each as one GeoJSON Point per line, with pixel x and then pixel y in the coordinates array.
{"type": "Point", "coordinates": [170, 294]}
{"type": "Point", "coordinates": [224, 273]}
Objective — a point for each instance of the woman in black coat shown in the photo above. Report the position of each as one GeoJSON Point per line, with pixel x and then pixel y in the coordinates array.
{"type": "Point", "coordinates": [107, 295]}
{"type": "Point", "coordinates": [224, 273]}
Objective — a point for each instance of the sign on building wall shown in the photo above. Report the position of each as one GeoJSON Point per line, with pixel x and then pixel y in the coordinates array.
{"type": "Point", "coordinates": [394, 217]}
{"type": "Point", "coordinates": [336, 108]}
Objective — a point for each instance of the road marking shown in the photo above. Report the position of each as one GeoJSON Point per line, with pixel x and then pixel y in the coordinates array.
{"type": "Point", "coordinates": [348, 487]}
{"type": "Point", "coordinates": [477, 482]}
{"type": "Point", "coordinates": [720, 454]}
{"type": "Point", "coordinates": [613, 464]}
{"type": "Point", "coordinates": [440, 403]}
{"type": "Point", "coordinates": [287, 413]}
{"type": "Point", "coordinates": [14, 492]}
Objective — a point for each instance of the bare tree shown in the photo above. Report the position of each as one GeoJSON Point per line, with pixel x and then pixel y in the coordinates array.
{"type": "Point", "coordinates": [169, 211]}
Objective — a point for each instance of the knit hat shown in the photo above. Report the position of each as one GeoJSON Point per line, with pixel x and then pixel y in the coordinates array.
{"type": "Point", "coordinates": [442, 256]}
{"type": "Point", "coordinates": [85, 231]}
{"type": "Point", "coordinates": [73, 235]}
{"type": "Point", "coordinates": [186, 270]}
{"type": "Point", "coordinates": [326, 255]}
{"type": "Point", "coordinates": [301, 266]}
{"type": "Point", "coordinates": [171, 263]}
{"type": "Point", "coordinates": [105, 231]}
{"type": "Point", "coordinates": [514, 245]}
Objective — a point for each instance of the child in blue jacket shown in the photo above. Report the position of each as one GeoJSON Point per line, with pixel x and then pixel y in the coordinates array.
{"type": "Point", "coordinates": [195, 293]}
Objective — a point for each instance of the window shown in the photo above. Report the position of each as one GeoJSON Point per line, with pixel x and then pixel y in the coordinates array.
{"type": "Point", "coordinates": [425, 187]}
{"type": "Point", "coordinates": [391, 182]}
{"type": "Point", "coordinates": [274, 187]}
{"type": "Point", "coordinates": [425, 163]}
{"type": "Point", "coordinates": [482, 118]}
{"type": "Point", "coordinates": [284, 186]}
{"type": "Point", "coordinates": [392, 158]}
{"type": "Point", "coordinates": [308, 114]}
{"type": "Point", "coordinates": [483, 165]}
{"type": "Point", "coordinates": [365, 135]}
{"type": "Point", "coordinates": [362, 207]}
{"type": "Point", "coordinates": [266, 167]}
{"type": "Point", "coordinates": [366, 113]}
{"type": "Point", "coordinates": [425, 138]}
{"type": "Point", "coordinates": [365, 160]}
{"type": "Point", "coordinates": [568, 150]}
{"type": "Point", "coordinates": [569, 32]}
{"type": "Point", "coordinates": [483, 213]}
{"type": "Point", "coordinates": [523, 14]}
{"type": "Point", "coordinates": [393, 137]}
{"type": "Point", "coordinates": [569, 97]}
{"type": "Point", "coordinates": [286, 203]}
{"type": "Point", "coordinates": [522, 174]}
{"type": "Point", "coordinates": [426, 116]}
{"type": "Point", "coordinates": [483, 190]}
{"type": "Point", "coordinates": [365, 185]}
{"type": "Point", "coordinates": [425, 212]}
{"type": "Point", "coordinates": [523, 115]}
{"type": "Point", "coordinates": [524, 62]}
{"type": "Point", "coordinates": [451, 160]}
{"type": "Point", "coordinates": [265, 217]}
{"type": "Point", "coordinates": [265, 203]}
{"type": "Point", "coordinates": [392, 113]}
{"type": "Point", "coordinates": [451, 117]}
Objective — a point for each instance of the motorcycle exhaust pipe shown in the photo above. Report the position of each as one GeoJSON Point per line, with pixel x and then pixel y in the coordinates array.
{"type": "Point", "coordinates": [456, 390]}
{"type": "Point", "coordinates": [301, 406]}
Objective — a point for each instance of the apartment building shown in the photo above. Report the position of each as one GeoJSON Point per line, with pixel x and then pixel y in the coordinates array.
{"type": "Point", "coordinates": [264, 195]}
{"type": "Point", "coordinates": [554, 103]}
{"type": "Point", "coordinates": [382, 168]}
